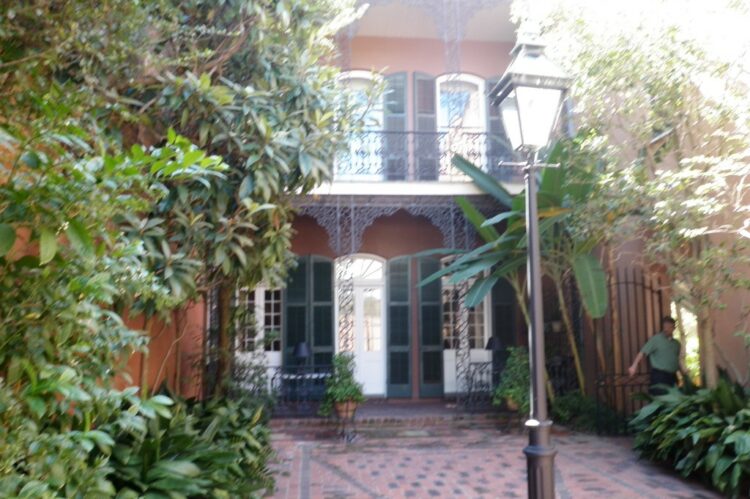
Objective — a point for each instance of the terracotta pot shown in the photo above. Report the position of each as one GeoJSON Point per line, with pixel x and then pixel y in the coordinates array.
{"type": "Point", "coordinates": [511, 404]}
{"type": "Point", "coordinates": [345, 410]}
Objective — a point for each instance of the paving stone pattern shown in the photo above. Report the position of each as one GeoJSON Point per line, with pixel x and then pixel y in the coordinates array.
{"type": "Point", "coordinates": [450, 461]}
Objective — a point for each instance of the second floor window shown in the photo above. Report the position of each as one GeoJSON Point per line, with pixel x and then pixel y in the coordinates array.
{"type": "Point", "coordinates": [365, 148]}
{"type": "Point", "coordinates": [462, 103]}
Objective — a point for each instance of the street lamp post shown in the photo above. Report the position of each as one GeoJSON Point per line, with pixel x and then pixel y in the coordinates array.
{"type": "Point", "coordinates": [530, 95]}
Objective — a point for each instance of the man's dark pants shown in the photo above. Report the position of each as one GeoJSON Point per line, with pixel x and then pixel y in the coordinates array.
{"type": "Point", "coordinates": [659, 377]}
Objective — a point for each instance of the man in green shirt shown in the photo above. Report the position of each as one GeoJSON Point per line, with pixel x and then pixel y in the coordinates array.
{"type": "Point", "coordinates": [663, 352]}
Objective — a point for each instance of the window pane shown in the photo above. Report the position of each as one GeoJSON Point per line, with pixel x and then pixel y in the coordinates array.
{"type": "Point", "coordinates": [246, 320]}
{"type": "Point", "coordinates": [431, 325]}
{"type": "Point", "coordinates": [296, 325]}
{"type": "Point", "coordinates": [361, 268]}
{"type": "Point", "coordinates": [398, 368]}
{"type": "Point", "coordinates": [373, 306]}
{"type": "Point", "coordinates": [296, 289]}
{"type": "Point", "coordinates": [460, 105]}
{"type": "Point", "coordinates": [272, 320]}
{"type": "Point", "coordinates": [398, 282]}
{"type": "Point", "coordinates": [322, 325]}
{"type": "Point", "coordinates": [398, 325]}
{"type": "Point", "coordinates": [432, 367]}
{"type": "Point", "coordinates": [322, 275]}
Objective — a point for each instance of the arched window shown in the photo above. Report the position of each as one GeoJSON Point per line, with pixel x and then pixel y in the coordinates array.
{"type": "Point", "coordinates": [461, 121]}
{"type": "Point", "coordinates": [361, 82]}
{"type": "Point", "coordinates": [364, 160]}
{"type": "Point", "coordinates": [461, 102]}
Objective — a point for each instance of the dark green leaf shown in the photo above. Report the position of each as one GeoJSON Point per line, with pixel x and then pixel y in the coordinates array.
{"type": "Point", "coordinates": [479, 290]}
{"type": "Point", "coordinates": [47, 246]}
{"type": "Point", "coordinates": [246, 187]}
{"type": "Point", "coordinates": [592, 283]}
{"type": "Point", "coordinates": [502, 216]}
{"type": "Point", "coordinates": [7, 238]}
{"type": "Point", "coordinates": [305, 163]}
{"type": "Point", "coordinates": [31, 159]}
{"type": "Point", "coordinates": [80, 238]}
{"type": "Point", "coordinates": [489, 234]}
{"type": "Point", "coordinates": [484, 181]}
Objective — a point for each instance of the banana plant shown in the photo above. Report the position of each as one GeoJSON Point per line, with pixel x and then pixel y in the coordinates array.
{"type": "Point", "coordinates": [503, 254]}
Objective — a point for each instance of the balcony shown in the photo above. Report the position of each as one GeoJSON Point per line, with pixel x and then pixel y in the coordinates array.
{"type": "Point", "coordinates": [424, 157]}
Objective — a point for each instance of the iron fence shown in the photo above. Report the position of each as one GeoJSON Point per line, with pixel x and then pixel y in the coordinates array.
{"type": "Point", "coordinates": [424, 156]}
{"type": "Point", "coordinates": [298, 390]}
{"type": "Point", "coordinates": [637, 307]}
{"type": "Point", "coordinates": [483, 379]}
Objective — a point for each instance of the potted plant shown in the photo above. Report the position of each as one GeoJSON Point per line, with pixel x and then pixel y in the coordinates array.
{"type": "Point", "coordinates": [343, 392]}
{"type": "Point", "coordinates": [513, 390]}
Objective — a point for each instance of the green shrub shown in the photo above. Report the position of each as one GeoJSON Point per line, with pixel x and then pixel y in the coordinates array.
{"type": "Point", "coordinates": [514, 380]}
{"type": "Point", "coordinates": [705, 433]}
{"type": "Point", "coordinates": [582, 413]}
{"type": "Point", "coordinates": [213, 449]}
{"type": "Point", "coordinates": [575, 410]}
{"type": "Point", "coordinates": [341, 385]}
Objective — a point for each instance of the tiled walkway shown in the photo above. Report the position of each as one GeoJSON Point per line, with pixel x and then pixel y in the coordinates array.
{"type": "Point", "coordinates": [459, 459]}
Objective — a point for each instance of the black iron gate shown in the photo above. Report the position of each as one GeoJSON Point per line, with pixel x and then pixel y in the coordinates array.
{"type": "Point", "coordinates": [637, 305]}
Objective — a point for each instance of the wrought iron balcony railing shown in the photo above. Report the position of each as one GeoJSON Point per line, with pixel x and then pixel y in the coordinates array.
{"type": "Point", "coordinates": [424, 156]}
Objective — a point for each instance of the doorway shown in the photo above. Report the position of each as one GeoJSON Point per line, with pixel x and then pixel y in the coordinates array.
{"type": "Point", "coordinates": [366, 275]}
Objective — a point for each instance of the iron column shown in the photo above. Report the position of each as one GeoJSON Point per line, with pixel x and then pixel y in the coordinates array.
{"type": "Point", "coordinates": [540, 453]}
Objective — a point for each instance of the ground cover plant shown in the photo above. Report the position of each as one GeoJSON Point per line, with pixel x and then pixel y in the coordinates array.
{"type": "Point", "coordinates": [213, 449]}
{"type": "Point", "coordinates": [704, 433]}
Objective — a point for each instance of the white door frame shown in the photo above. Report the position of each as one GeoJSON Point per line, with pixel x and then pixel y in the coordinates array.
{"type": "Point", "coordinates": [370, 366]}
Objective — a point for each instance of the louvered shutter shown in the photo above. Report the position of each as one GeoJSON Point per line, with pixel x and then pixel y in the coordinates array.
{"type": "Point", "coordinates": [395, 146]}
{"type": "Point", "coordinates": [399, 328]}
{"type": "Point", "coordinates": [426, 147]}
{"type": "Point", "coordinates": [295, 310]}
{"type": "Point", "coordinates": [308, 310]}
{"type": "Point", "coordinates": [430, 331]}
{"type": "Point", "coordinates": [321, 307]}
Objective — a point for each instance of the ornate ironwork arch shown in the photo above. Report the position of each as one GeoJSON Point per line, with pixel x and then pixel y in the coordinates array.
{"type": "Point", "coordinates": [346, 218]}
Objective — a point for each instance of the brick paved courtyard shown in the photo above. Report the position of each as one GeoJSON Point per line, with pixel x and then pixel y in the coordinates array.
{"type": "Point", "coordinates": [459, 460]}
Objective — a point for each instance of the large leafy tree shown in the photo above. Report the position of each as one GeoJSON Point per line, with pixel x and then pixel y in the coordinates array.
{"type": "Point", "coordinates": [147, 152]}
{"type": "Point", "coordinates": [663, 85]}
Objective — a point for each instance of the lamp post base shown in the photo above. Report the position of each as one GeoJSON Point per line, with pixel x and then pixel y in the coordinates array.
{"type": "Point", "coordinates": [540, 457]}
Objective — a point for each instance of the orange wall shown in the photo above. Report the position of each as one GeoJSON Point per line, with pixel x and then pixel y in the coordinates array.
{"type": "Point", "coordinates": [178, 342]}
{"type": "Point", "coordinates": [390, 55]}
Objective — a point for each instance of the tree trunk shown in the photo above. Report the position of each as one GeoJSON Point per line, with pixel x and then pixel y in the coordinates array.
{"type": "Point", "coordinates": [598, 342]}
{"type": "Point", "coordinates": [225, 340]}
{"type": "Point", "coordinates": [683, 335]}
{"type": "Point", "coordinates": [177, 354]}
{"type": "Point", "coordinates": [707, 349]}
{"type": "Point", "coordinates": [570, 335]}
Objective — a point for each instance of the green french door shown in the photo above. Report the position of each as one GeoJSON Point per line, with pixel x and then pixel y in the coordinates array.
{"type": "Point", "coordinates": [308, 311]}
{"type": "Point", "coordinates": [398, 290]}
{"type": "Point", "coordinates": [430, 331]}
